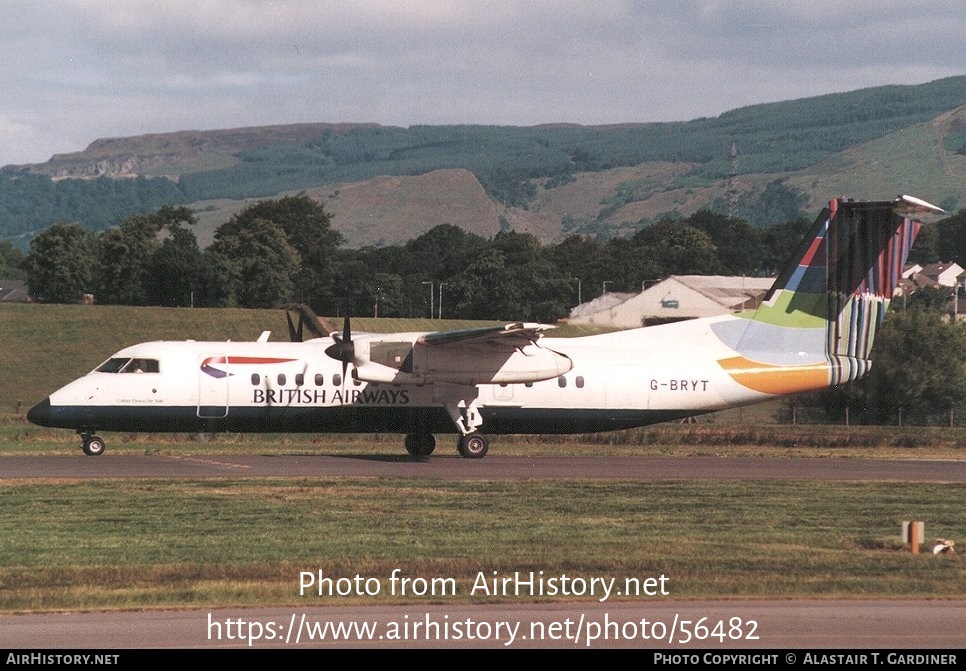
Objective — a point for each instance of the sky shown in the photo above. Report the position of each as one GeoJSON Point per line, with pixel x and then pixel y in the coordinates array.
{"type": "Point", "coordinates": [73, 71]}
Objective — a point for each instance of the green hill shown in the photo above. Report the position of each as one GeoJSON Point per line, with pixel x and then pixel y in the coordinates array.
{"type": "Point", "coordinates": [390, 184]}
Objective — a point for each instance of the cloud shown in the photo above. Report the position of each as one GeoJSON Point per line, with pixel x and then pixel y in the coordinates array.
{"type": "Point", "coordinates": [77, 70]}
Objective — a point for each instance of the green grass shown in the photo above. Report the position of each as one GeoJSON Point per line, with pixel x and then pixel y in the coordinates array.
{"type": "Point", "coordinates": [164, 543]}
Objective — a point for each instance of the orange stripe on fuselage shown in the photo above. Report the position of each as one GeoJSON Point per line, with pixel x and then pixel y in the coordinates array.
{"type": "Point", "coordinates": [770, 379]}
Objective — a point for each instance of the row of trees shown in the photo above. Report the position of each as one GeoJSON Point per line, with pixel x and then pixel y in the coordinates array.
{"type": "Point", "coordinates": [285, 250]}
{"type": "Point", "coordinates": [280, 251]}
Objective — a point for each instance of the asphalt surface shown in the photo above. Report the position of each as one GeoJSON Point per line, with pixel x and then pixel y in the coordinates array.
{"type": "Point", "coordinates": [672, 626]}
{"type": "Point", "coordinates": [490, 467]}
{"type": "Point", "coordinates": [650, 622]}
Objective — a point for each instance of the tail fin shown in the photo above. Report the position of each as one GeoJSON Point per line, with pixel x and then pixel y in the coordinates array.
{"type": "Point", "coordinates": [817, 323]}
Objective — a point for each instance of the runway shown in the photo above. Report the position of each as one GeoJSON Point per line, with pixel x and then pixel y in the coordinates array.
{"type": "Point", "coordinates": [673, 626]}
{"type": "Point", "coordinates": [491, 467]}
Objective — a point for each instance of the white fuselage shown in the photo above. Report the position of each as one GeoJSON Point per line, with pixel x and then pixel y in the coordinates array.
{"type": "Point", "coordinates": [617, 380]}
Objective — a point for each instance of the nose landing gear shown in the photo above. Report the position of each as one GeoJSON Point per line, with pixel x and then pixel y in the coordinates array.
{"type": "Point", "coordinates": [93, 446]}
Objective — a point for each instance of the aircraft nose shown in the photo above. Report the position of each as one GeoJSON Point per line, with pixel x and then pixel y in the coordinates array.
{"type": "Point", "coordinates": [40, 413]}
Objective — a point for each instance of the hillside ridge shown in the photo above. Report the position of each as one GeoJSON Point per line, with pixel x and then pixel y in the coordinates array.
{"type": "Point", "coordinates": [389, 184]}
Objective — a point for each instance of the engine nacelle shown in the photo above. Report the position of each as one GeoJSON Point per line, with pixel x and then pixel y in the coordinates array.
{"type": "Point", "coordinates": [412, 362]}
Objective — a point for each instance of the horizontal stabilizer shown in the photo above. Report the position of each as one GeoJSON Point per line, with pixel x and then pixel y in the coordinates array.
{"type": "Point", "coordinates": [909, 205]}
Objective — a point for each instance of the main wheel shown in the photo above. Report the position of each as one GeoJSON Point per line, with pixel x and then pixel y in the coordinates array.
{"type": "Point", "coordinates": [93, 446]}
{"type": "Point", "coordinates": [420, 444]}
{"type": "Point", "coordinates": [473, 446]}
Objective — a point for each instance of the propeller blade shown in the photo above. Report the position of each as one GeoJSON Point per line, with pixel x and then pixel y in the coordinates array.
{"type": "Point", "coordinates": [342, 349]}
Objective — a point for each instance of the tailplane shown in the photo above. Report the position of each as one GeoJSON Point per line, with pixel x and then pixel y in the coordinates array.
{"type": "Point", "coordinates": [817, 323]}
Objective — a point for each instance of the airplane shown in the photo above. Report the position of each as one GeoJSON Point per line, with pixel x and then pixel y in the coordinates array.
{"type": "Point", "coordinates": [814, 329]}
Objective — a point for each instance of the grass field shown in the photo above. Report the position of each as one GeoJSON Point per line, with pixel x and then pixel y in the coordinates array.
{"type": "Point", "coordinates": [221, 542]}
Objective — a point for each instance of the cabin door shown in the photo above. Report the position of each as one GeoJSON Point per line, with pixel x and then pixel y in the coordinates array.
{"type": "Point", "coordinates": [213, 380]}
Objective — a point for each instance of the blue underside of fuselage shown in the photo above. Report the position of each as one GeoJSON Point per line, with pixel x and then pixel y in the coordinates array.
{"type": "Point", "coordinates": [340, 419]}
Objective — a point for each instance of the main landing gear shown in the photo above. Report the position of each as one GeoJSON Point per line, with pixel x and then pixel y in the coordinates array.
{"type": "Point", "coordinates": [93, 446]}
{"type": "Point", "coordinates": [466, 415]}
{"type": "Point", "coordinates": [420, 444]}
{"type": "Point", "coordinates": [471, 446]}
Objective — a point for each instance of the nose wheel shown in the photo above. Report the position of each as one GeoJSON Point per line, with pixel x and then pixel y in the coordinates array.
{"type": "Point", "coordinates": [93, 446]}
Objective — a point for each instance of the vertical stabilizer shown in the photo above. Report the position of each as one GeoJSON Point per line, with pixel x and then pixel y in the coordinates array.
{"type": "Point", "coordinates": [818, 322]}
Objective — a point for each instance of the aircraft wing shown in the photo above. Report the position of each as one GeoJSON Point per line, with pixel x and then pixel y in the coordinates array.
{"type": "Point", "coordinates": [509, 336]}
{"type": "Point", "coordinates": [487, 355]}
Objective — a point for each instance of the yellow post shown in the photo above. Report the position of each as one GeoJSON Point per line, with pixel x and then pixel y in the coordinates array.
{"type": "Point", "coordinates": [916, 530]}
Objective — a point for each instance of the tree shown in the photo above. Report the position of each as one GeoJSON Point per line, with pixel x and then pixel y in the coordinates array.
{"type": "Point", "coordinates": [256, 266]}
{"type": "Point", "coordinates": [951, 238]}
{"type": "Point", "coordinates": [778, 202]}
{"type": "Point", "coordinates": [919, 367]}
{"type": "Point", "coordinates": [472, 292]}
{"type": "Point", "coordinates": [175, 271]}
{"type": "Point", "coordinates": [384, 291]}
{"type": "Point", "coordinates": [443, 251]}
{"type": "Point", "coordinates": [580, 257]}
{"type": "Point", "coordinates": [736, 243]}
{"type": "Point", "coordinates": [124, 255]}
{"type": "Point", "coordinates": [59, 264]}
{"type": "Point", "coordinates": [677, 248]}
{"type": "Point", "coordinates": [778, 242]}
{"type": "Point", "coordinates": [11, 262]}
{"type": "Point", "coordinates": [308, 228]}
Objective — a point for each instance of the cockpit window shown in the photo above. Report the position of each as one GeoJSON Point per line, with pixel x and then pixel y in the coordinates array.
{"type": "Point", "coordinates": [112, 365]}
{"type": "Point", "coordinates": [129, 365]}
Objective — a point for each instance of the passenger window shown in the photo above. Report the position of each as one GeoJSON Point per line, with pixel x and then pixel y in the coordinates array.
{"type": "Point", "coordinates": [337, 379]}
{"type": "Point", "coordinates": [580, 381]}
{"type": "Point", "coordinates": [281, 379]}
{"type": "Point", "coordinates": [299, 379]}
{"type": "Point", "coordinates": [319, 379]}
{"type": "Point", "coordinates": [256, 379]}
{"type": "Point", "coordinates": [562, 381]}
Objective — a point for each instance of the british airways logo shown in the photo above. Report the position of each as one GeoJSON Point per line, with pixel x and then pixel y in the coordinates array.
{"type": "Point", "coordinates": [208, 366]}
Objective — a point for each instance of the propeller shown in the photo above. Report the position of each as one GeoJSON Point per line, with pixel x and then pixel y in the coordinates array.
{"type": "Point", "coordinates": [342, 349]}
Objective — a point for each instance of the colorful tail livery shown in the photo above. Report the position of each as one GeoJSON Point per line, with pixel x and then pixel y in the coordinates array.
{"type": "Point", "coordinates": [817, 324]}
{"type": "Point", "coordinates": [814, 329]}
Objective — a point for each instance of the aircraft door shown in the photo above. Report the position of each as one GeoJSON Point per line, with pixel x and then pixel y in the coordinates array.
{"type": "Point", "coordinates": [213, 381]}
